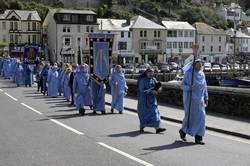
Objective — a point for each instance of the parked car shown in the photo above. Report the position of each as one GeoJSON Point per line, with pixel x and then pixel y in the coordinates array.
{"type": "Point", "coordinates": [165, 69]}
{"type": "Point", "coordinates": [178, 80]}
{"type": "Point", "coordinates": [156, 69]}
{"type": "Point", "coordinates": [223, 67]}
{"type": "Point", "coordinates": [129, 70]}
{"type": "Point", "coordinates": [174, 66]}
{"type": "Point", "coordinates": [216, 68]}
{"type": "Point", "coordinates": [142, 69]}
{"type": "Point", "coordinates": [207, 67]}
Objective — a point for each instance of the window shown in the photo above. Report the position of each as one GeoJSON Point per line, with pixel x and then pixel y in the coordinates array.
{"type": "Point", "coordinates": [180, 44]}
{"type": "Point", "coordinates": [219, 38]}
{"type": "Point", "coordinates": [75, 18]}
{"type": "Point", "coordinates": [79, 28]}
{"type": "Point", "coordinates": [16, 38]}
{"type": "Point", "coordinates": [219, 48]}
{"type": "Point", "coordinates": [79, 41]}
{"type": "Point", "coordinates": [145, 33]}
{"type": "Point", "coordinates": [66, 17]}
{"type": "Point", "coordinates": [11, 39]}
{"type": "Point", "coordinates": [34, 39]}
{"type": "Point", "coordinates": [180, 34]}
{"type": "Point", "coordinates": [155, 34]}
{"type": "Point", "coordinates": [191, 44]}
{"type": "Point", "coordinates": [90, 18]}
{"type": "Point", "coordinates": [4, 38]}
{"type": "Point", "coordinates": [129, 34]}
{"type": "Point", "coordinates": [185, 44]}
{"type": "Point", "coordinates": [212, 49]}
{"type": "Point", "coordinates": [91, 29]}
{"type": "Point", "coordinates": [143, 45]}
{"type": "Point", "coordinates": [64, 28]}
{"type": "Point", "coordinates": [68, 29]}
{"type": "Point", "coordinates": [203, 48]}
{"type": "Point", "coordinates": [186, 34]}
{"type": "Point", "coordinates": [34, 26]}
{"type": "Point", "coordinates": [122, 46]}
{"type": "Point", "coordinates": [122, 34]}
{"type": "Point", "coordinates": [11, 26]}
{"type": "Point", "coordinates": [141, 33]}
{"type": "Point", "coordinates": [169, 44]}
{"type": "Point", "coordinates": [174, 44]}
{"type": "Point", "coordinates": [158, 45]}
{"type": "Point", "coordinates": [212, 38]}
{"type": "Point", "coordinates": [87, 29]}
{"type": "Point", "coordinates": [16, 25]}
{"type": "Point", "coordinates": [4, 25]}
{"type": "Point", "coordinates": [67, 41]}
{"type": "Point", "coordinates": [203, 38]}
{"type": "Point", "coordinates": [159, 33]}
{"type": "Point", "coordinates": [28, 26]}
{"type": "Point", "coordinates": [172, 33]}
{"type": "Point", "coordinates": [191, 33]}
{"type": "Point", "coordinates": [28, 38]}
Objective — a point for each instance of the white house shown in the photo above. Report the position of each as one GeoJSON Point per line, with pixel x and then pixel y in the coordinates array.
{"type": "Point", "coordinates": [180, 39]}
{"type": "Point", "coordinates": [66, 34]}
{"type": "Point", "coordinates": [122, 48]}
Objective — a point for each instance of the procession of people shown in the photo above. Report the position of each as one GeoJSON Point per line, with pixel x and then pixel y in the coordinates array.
{"type": "Point", "coordinates": [74, 83]}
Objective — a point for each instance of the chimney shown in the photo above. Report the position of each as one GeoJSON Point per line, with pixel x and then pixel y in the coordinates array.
{"type": "Point", "coordinates": [128, 21]}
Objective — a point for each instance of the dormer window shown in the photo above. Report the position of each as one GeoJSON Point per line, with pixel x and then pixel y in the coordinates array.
{"type": "Point", "coordinates": [90, 18]}
{"type": "Point", "coordinates": [66, 17]}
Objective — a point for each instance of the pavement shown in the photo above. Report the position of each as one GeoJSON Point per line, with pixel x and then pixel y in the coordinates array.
{"type": "Point", "coordinates": [214, 121]}
{"type": "Point", "coordinates": [40, 131]}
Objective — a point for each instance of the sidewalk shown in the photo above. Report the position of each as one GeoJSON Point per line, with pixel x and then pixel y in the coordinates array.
{"type": "Point", "coordinates": [219, 123]}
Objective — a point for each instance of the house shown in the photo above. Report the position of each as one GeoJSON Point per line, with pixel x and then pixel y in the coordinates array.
{"type": "Point", "coordinates": [148, 40]}
{"type": "Point", "coordinates": [180, 38]}
{"type": "Point", "coordinates": [66, 34]}
{"type": "Point", "coordinates": [18, 28]}
{"type": "Point", "coordinates": [212, 42]}
{"type": "Point", "coordinates": [122, 49]}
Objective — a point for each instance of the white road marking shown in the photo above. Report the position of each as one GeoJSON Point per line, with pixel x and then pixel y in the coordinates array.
{"type": "Point", "coordinates": [212, 133]}
{"type": "Point", "coordinates": [125, 154]}
{"type": "Point", "coordinates": [66, 127]}
{"type": "Point", "coordinates": [1, 90]}
{"type": "Point", "coordinates": [32, 109]}
{"type": "Point", "coordinates": [13, 98]}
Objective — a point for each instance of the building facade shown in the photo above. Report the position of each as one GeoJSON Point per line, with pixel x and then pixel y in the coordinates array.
{"type": "Point", "coordinates": [148, 41]}
{"type": "Point", "coordinates": [212, 43]}
{"type": "Point", "coordinates": [122, 49]}
{"type": "Point", "coordinates": [180, 37]}
{"type": "Point", "coordinates": [18, 28]}
{"type": "Point", "coordinates": [66, 34]}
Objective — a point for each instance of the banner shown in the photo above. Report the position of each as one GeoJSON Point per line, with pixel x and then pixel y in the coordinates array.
{"type": "Point", "coordinates": [30, 53]}
{"type": "Point", "coordinates": [100, 56]}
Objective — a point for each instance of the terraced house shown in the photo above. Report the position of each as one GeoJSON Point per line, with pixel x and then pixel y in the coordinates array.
{"type": "Point", "coordinates": [19, 27]}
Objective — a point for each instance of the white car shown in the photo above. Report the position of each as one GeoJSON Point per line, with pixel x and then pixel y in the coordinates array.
{"type": "Point", "coordinates": [216, 68]}
{"type": "Point", "coordinates": [207, 67]}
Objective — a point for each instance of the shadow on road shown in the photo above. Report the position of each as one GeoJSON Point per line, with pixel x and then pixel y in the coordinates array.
{"type": "Point", "coordinates": [130, 134]}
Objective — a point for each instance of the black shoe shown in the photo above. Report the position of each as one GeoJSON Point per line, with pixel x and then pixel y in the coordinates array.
{"type": "Point", "coordinates": [103, 113]}
{"type": "Point", "coordinates": [112, 110]}
{"type": "Point", "coordinates": [91, 107]}
{"type": "Point", "coordinates": [182, 136]}
{"type": "Point", "coordinates": [199, 142]}
{"type": "Point", "coordinates": [141, 129]}
{"type": "Point", "coordinates": [82, 112]}
{"type": "Point", "coordinates": [94, 112]}
{"type": "Point", "coordinates": [120, 112]}
{"type": "Point", "coordinates": [160, 130]}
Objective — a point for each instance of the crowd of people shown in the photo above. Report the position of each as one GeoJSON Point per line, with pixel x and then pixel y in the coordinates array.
{"type": "Point", "coordinates": [73, 82]}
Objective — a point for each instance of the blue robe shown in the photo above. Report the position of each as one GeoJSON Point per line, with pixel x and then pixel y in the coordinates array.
{"type": "Point", "coordinates": [118, 89]}
{"type": "Point", "coordinates": [197, 113]}
{"type": "Point", "coordinates": [53, 83]}
{"type": "Point", "coordinates": [7, 69]}
{"type": "Point", "coordinates": [147, 107]}
{"type": "Point", "coordinates": [60, 76]}
{"type": "Point", "coordinates": [44, 75]}
{"type": "Point", "coordinates": [98, 92]}
{"type": "Point", "coordinates": [28, 75]}
{"type": "Point", "coordinates": [80, 86]}
{"type": "Point", "coordinates": [1, 66]}
{"type": "Point", "coordinates": [19, 75]}
{"type": "Point", "coordinates": [65, 86]}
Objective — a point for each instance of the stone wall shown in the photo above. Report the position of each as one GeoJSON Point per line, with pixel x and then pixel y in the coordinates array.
{"type": "Point", "coordinates": [230, 101]}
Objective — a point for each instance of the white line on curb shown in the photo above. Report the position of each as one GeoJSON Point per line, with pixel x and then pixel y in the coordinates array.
{"type": "Point", "coordinates": [13, 98]}
{"type": "Point", "coordinates": [125, 154]}
{"type": "Point", "coordinates": [32, 109]}
{"type": "Point", "coordinates": [66, 127]}
{"type": "Point", "coordinates": [1, 90]}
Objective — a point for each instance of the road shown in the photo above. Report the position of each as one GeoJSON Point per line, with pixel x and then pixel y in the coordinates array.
{"type": "Point", "coordinates": [40, 131]}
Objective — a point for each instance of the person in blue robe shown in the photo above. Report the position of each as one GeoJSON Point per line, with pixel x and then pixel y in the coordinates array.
{"type": "Point", "coordinates": [118, 89]}
{"type": "Point", "coordinates": [88, 97]}
{"type": "Point", "coordinates": [7, 69]}
{"type": "Point", "coordinates": [98, 94]}
{"type": "Point", "coordinates": [147, 107]}
{"type": "Point", "coordinates": [19, 75]}
{"type": "Point", "coordinates": [80, 87]}
{"type": "Point", "coordinates": [53, 82]}
{"type": "Point", "coordinates": [1, 66]}
{"type": "Point", "coordinates": [60, 72]}
{"type": "Point", "coordinates": [194, 120]}
{"type": "Point", "coordinates": [44, 75]}
{"type": "Point", "coordinates": [65, 82]}
{"type": "Point", "coordinates": [27, 74]}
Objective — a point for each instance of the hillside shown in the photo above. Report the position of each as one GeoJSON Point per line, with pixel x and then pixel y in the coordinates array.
{"type": "Point", "coordinates": [157, 10]}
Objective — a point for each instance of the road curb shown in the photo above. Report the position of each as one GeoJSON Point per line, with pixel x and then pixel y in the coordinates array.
{"type": "Point", "coordinates": [223, 131]}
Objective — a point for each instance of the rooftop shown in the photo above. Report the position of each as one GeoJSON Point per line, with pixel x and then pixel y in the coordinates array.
{"type": "Point", "coordinates": [66, 11]}
{"type": "Point", "coordinates": [177, 25]}
{"type": "Point", "coordinates": [144, 23]}
{"type": "Point", "coordinates": [22, 14]}
{"type": "Point", "coordinates": [203, 28]}
{"type": "Point", "coordinates": [114, 24]}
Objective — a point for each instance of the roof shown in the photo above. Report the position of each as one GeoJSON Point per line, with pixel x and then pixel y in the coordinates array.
{"type": "Point", "coordinates": [144, 23]}
{"type": "Point", "coordinates": [177, 25]}
{"type": "Point", "coordinates": [239, 34]}
{"type": "Point", "coordinates": [66, 11]}
{"type": "Point", "coordinates": [114, 24]}
{"type": "Point", "coordinates": [203, 28]}
{"type": "Point", "coordinates": [23, 15]}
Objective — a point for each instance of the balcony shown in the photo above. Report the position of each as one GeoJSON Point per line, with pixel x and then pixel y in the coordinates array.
{"type": "Point", "coordinates": [15, 31]}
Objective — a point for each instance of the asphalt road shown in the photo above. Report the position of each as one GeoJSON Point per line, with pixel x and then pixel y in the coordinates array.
{"type": "Point", "coordinates": [39, 131]}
